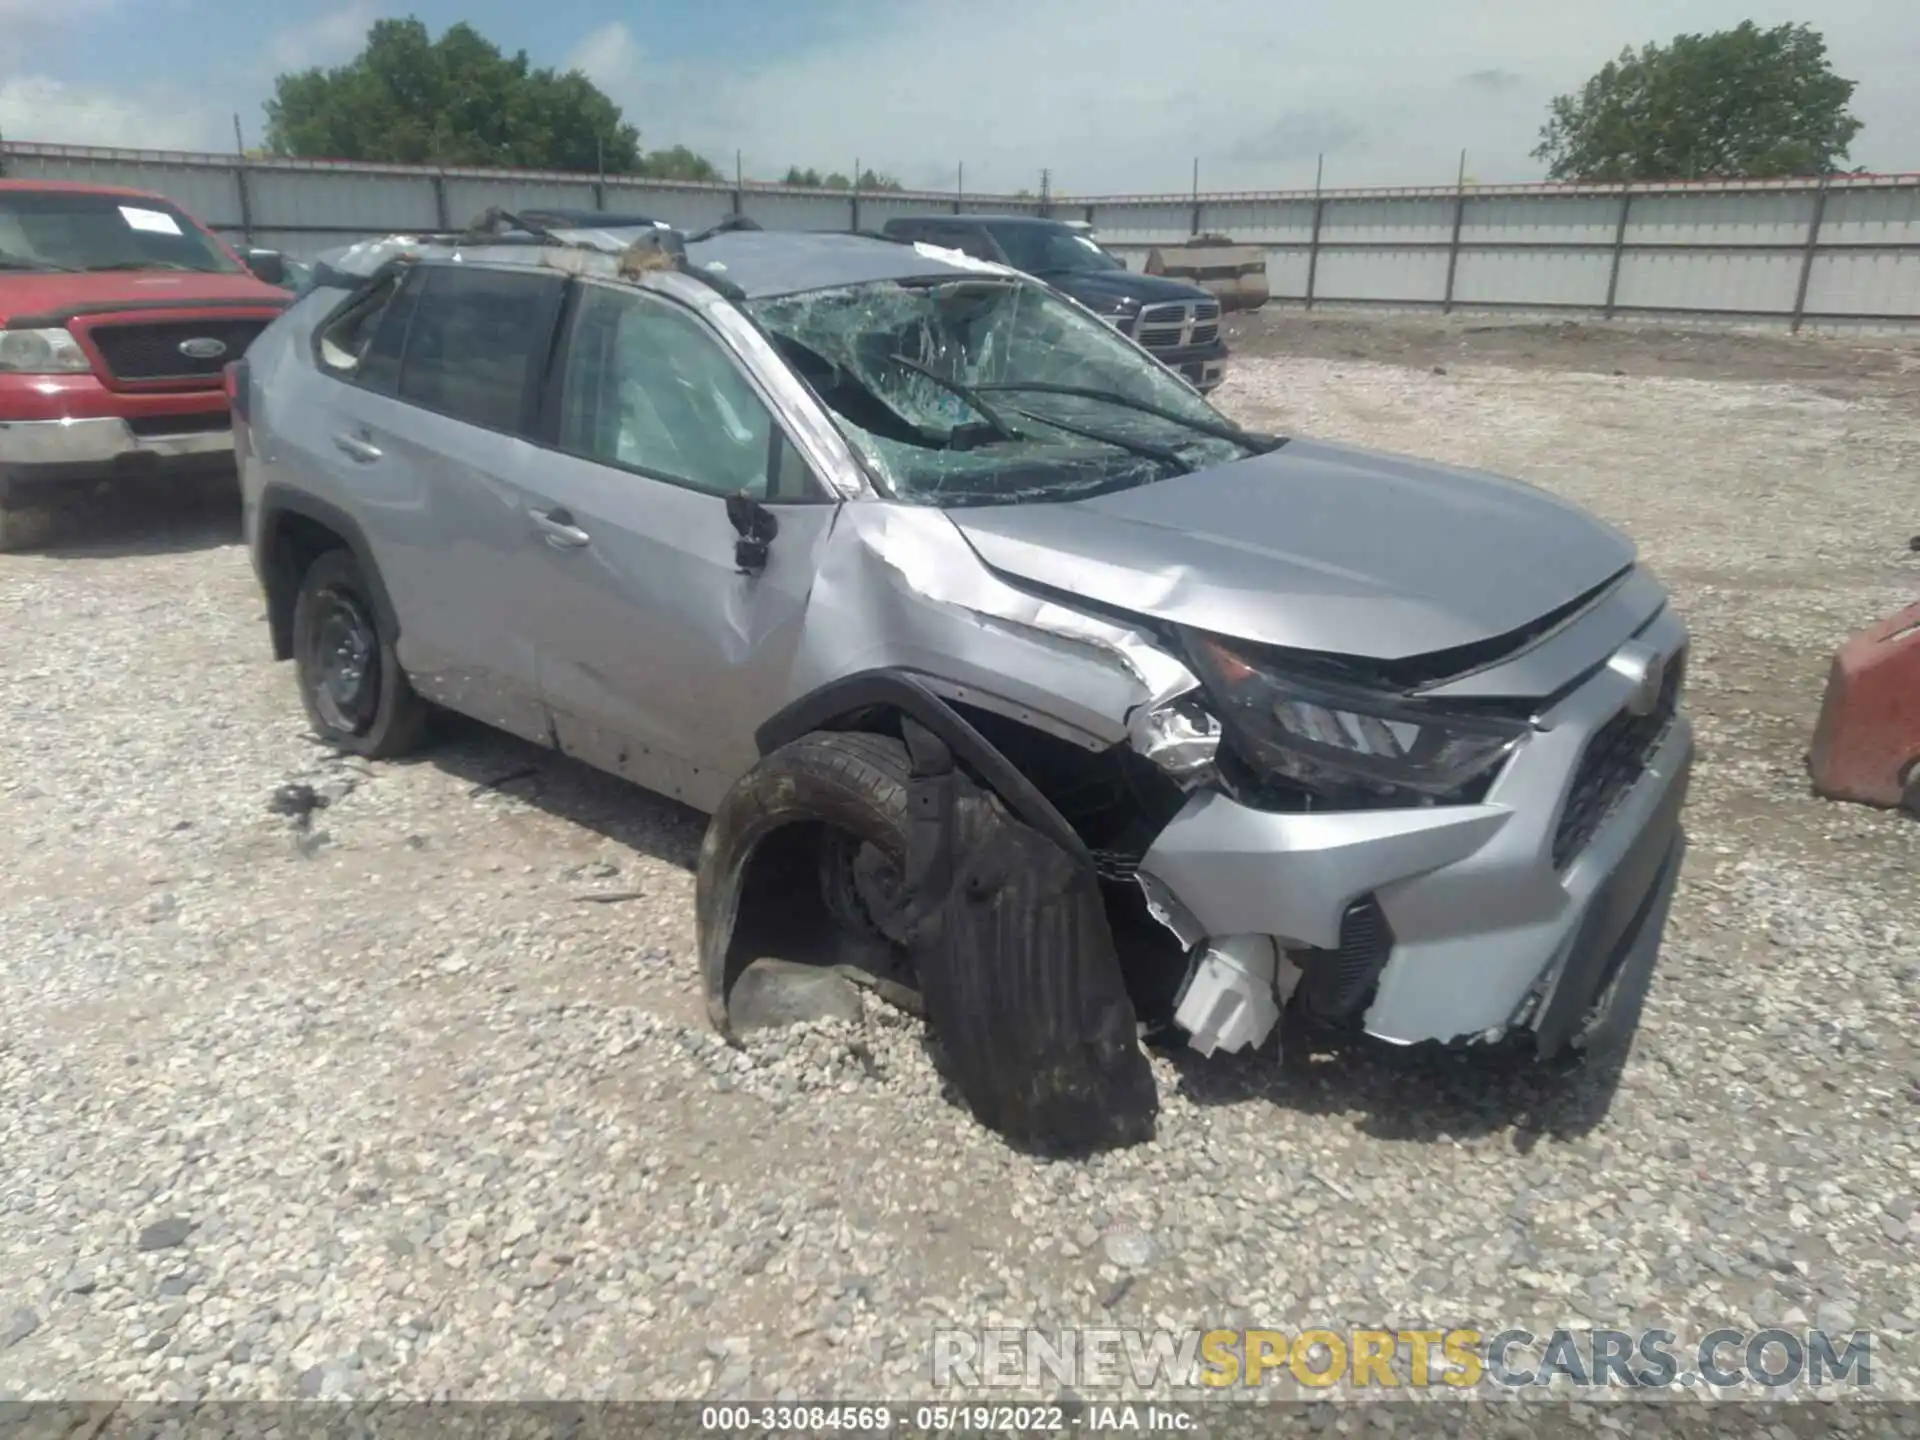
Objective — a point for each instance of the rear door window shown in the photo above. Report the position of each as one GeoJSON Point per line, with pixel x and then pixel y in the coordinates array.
{"type": "Point", "coordinates": [478, 342]}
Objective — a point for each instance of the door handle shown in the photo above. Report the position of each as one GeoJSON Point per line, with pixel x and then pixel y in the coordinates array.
{"type": "Point", "coordinates": [558, 528]}
{"type": "Point", "coordinates": [355, 448]}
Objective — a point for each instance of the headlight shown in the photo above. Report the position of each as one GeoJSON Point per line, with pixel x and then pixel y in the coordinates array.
{"type": "Point", "coordinates": [41, 352]}
{"type": "Point", "coordinates": [1334, 739]}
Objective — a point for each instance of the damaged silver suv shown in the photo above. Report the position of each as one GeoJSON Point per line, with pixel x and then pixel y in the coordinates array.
{"type": "Point", "coordinates": [1012, 674]}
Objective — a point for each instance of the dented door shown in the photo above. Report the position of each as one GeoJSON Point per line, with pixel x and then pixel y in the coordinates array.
{"type": "Point", "coordinates": [659, 653]}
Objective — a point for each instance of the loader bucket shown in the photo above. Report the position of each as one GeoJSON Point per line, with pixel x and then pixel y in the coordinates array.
{"type": "Point", "coordinates": [1866, 746]}
{"type": "Point", "coordinates": [1235, 275]}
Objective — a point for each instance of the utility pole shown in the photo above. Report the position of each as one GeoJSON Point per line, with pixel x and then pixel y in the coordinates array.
{"type": "Point", "coordinates": [239, 142]}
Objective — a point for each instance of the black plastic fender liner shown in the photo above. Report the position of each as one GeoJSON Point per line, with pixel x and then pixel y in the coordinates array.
{"type": "Point", "coordinates": [898, 690]}
{"type": "Point", "coordinates": [1006, 932]}
{"type": "Point", "coordinates": [1018, 971]}
{"type": "Point", "coordinates": [279, 501]}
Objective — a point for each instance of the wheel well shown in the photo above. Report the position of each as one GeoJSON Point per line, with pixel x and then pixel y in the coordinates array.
{"type": "Point", "coordinates": [297, 541]}
{"type": "Point", "coordinates": [1115, 800]}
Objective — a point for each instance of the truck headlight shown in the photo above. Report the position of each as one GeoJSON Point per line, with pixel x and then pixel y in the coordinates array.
{"type": "Point", "coordinates": [1346, 743]}
{"type": "Point", "coordinates": [42, 352]}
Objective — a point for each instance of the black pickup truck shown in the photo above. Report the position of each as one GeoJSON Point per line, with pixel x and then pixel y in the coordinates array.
{"type": "Point", "coordinates": [1177, 323]}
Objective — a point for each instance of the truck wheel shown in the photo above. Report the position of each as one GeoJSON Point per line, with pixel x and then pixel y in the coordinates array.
{"type": "Point", "coordinates": [23, 526]}
{"type": "Point", "coordinates": [356, 695]}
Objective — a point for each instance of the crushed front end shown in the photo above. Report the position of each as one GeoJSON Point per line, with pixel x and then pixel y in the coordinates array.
{"type": "Point", "coordinates": [1473, 857]}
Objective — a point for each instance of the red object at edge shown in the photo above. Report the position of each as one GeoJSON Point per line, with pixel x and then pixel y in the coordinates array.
{"type": "Point", "coordinates": [1867, 744]}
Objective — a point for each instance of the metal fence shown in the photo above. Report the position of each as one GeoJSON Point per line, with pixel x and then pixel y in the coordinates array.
{"type": "Point", "coordinates": [1840, 253]}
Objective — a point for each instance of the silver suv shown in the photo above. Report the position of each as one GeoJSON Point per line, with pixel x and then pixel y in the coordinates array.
{"type": "Point", "coordinates": [1015, 678]}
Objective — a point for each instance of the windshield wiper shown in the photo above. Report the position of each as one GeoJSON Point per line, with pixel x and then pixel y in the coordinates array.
{"type": "Point", "coordinates": [20, 262]}
{"type": "Point", "coordinates": [1259, 444]}
{"type": "Point", "coordinates": [1144, 448]}
{"type": "Point", "coordinates": [965, 392]}
{"type": "Point", "coordinates": [147, 265]}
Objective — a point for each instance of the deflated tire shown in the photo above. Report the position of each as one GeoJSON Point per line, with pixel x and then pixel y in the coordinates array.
{"type": "Point", "coordinates": [1005, 931]}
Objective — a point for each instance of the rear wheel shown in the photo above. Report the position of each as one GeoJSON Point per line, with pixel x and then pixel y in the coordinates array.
{"type": "Point", "coordinates": [356, 695]}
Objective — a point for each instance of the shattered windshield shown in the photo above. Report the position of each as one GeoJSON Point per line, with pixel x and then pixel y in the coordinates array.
{"type": "Point", "coordinates": [952, 391]}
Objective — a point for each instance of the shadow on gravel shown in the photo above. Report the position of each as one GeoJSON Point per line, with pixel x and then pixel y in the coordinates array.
{"type": "Point", "coordinates": [1419, 1095]}
{"type": "Point", "coordinates": [1416, 1095]}
{"type": "Point", "coordinates": [487, 759]}
{"type": "Point", "coordinates": [116, 522]}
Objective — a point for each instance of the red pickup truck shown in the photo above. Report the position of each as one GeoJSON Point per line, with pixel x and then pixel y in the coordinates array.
{"type": "Point", "coordinates": [118, 315]}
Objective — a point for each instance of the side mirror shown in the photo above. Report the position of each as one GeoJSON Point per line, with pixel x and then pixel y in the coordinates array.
{"type": "Point", "coordinates": [756, 527]}
{"type": "Point", "coordinates": [268, 265]}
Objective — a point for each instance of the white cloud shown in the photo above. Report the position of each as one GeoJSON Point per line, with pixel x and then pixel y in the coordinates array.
{"type": "Point", "coordinates": [1121, 95]}
{"type": "Point", "coordinates": [610, 57]}
{"type": "Point", "coordinates": [332, 38]}
{"type": "Point", "coordinates": [38, 107]}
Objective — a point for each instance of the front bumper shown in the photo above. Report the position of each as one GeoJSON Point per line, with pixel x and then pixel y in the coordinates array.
{"type": "Point", "coordinates": [1486, 933]}
{"type": "Point", "coordinates": [1202, 366]}
{"type": "Point", "coordinates": [107, 447]}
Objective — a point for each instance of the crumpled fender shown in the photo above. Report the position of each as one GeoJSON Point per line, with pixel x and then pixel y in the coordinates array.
{"type": "Point", "coordinates": [1005, 926]}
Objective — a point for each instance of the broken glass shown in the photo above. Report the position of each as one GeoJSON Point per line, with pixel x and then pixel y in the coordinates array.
{"type": "Point", "coordinates": [899, 363]}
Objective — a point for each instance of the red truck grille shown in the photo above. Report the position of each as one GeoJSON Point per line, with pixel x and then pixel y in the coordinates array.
{"type": "Point", "coordinates": [176, 349]}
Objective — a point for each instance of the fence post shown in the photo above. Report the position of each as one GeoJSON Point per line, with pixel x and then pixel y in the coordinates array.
{"type": "Point", "coordinates": [246, 201]}
{"type": "Point", "coordinates": [1453, 246]}
{"type": "Point", "coordinates": [1619, 249]}
{"type": "Point", "coordinates": [960, 189]}
{"type": "Point", "coordinates": [1313, 236]}
{"type": "Point", "coordinates": [1196, 197]}
{"type": "Point", "coordinates": [739, 187]}
{"type": "Point", "coordinates": [440, 201]}
{"type": "Point", "coordinates": [1807, 256]}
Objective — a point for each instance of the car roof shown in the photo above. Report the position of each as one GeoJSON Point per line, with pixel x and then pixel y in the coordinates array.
{"type": "Point", "coordinates": [765, 263]}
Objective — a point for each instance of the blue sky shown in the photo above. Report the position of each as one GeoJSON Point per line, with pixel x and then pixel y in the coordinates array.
{"type": "Point", "coordinates": [1111, 95]}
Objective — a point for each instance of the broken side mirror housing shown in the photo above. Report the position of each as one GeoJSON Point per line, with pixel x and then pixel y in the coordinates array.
{"type": "Point", "coordinates": [756, 526]}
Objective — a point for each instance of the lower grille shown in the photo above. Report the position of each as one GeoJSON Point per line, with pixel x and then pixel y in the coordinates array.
{"type": "Point", "coordinates": [155, 352]}
{"type": "Point", "coordinates": [151, 426]}
{"type": "Point", "coordinates": [1335, 982]}
{"type": "Point", "coordinates": [1614, 761]}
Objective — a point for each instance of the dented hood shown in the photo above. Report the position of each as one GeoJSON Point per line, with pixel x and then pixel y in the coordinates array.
{"type": "Point", "coordinates": [1315, 547]}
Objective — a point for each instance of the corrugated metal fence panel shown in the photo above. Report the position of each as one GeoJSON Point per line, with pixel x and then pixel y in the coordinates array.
{"type": "Point", "coordinates": [1530, 275]}
{"type": "Point", "coordinates": [207, 193]}
{"type": "Point", "coordinates": [1407, 276]}
{"type": "Point", "coordinates": [683, 208]}
{"type": "Point", "coordinates": [310, 199]}
{"type": "Point", "coordinates": [1134, 223]}
{"type": "Point", "coordinates": [1422, 220]}
{"type": "Point", "coordinates": [801, 210]}
{"type": "Point", "coordinates": [1873, 217]}
{"type": "Point", "coordinates": [468, 198]}
{"type": "Point", "coordinates": [1519, 246]}
{"type": "Point", "coordinates": [1864, 282]}
{"type": "Point", "coordinates": [1260, 222]}
{"type": "Point", "coordinates": [1287, 274]}
{"type": "Point", "coordinates": [1538, 219]}
{"type": "Point", "coordinates": [1763, 217]}
{"type": "Point", "coordinates": [1715, 281]}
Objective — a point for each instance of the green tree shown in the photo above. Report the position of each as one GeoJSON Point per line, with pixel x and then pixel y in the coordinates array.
{"type": "Point", "coordinates": [870, 180]}
{"type": "Point", "coordinates": [679, 163]}
{"type": "Point", "coordinates": [410, 99]}
{"type": "Point", "coordinates": [1737, 103]}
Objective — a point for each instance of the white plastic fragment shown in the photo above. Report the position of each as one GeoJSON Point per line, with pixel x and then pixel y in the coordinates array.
{"type": "Point", "coordinates": [1232, 1000]}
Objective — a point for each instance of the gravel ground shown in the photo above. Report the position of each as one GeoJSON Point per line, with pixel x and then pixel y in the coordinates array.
{"type": "Point", "coordinates": [380, 1102]}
